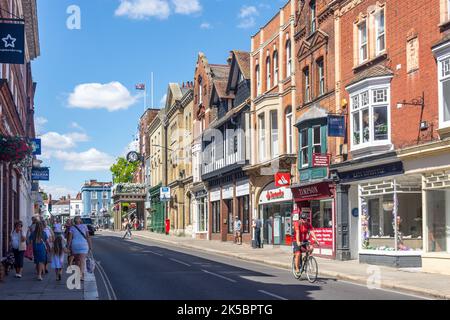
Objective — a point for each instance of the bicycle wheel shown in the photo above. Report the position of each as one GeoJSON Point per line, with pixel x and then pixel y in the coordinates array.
{"type": "Point", "coordinates": [312, 269]}
{"type": "Point", "coordinates": [296, 275]}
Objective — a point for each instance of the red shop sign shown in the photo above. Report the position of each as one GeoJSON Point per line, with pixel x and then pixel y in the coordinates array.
{"type": "Point", "coordinates": [324, 236]}
{"type": "Point", "coordinates": [282, 179]}
{"type": "Point", "coordinates": [275, 195]}
{"type": "Point", "coordinates": [321, 160]}
{"type": "Point", "coordinates": [312, 192]}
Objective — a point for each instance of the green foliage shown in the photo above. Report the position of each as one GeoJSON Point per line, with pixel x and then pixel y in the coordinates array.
{"type": "Point", "coordinates": [123, 170]}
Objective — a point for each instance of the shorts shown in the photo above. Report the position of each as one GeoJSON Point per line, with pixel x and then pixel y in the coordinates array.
{"type": "Point", "coordinates": [303, 247]}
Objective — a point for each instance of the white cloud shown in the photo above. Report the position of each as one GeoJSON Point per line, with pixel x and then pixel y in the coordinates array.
{"type": "Point", "coordinates": [112, 96]}
{"type": "Point", "coordinates": [75, 125]}
{"type": "Point", "coordinates": [39, 124]}
{"type": "Point", "coordinates": [143, 9]}
{"type": "Point", "coordinates": [247, 16]}
{"type": "Point", "coordinates": [57, 191]}
{"type": "Point", "coordinates": [187, 6]}
{"type": "Point", "coordinates": [90, 160]}
{"type": "Point", "coordinates": [54, 140]}
{"type": "Point", "coordinates": [205, 25]}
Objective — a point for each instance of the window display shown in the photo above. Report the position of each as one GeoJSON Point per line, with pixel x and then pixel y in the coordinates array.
{"type": "Point", "coordinates": [438, 212]}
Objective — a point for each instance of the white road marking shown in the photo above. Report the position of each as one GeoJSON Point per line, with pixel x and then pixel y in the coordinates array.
{"type": "Point", "coordinates": [104, 281]}
{"type": "Point", "coordinates": [272, 295]}
{"type": "Point", "coordinates": [180, 262]}
{"type": "Point", "coordinates": [158, 254]}
{"type": "Point", "coordinates": [218, 275]}
{"type": "Point", "coordinates": [108, 283]}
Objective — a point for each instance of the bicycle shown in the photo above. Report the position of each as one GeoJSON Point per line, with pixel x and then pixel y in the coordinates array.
{"type": "Point", "coordinates": [309, 266]}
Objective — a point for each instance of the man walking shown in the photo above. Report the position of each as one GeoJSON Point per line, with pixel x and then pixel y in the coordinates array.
{"type": "Point", "coordinates": [257, 226]}
{"type": "Point", "coordinates": [237, 231]}
{"type": "Point", "coordinates": [128, 229]}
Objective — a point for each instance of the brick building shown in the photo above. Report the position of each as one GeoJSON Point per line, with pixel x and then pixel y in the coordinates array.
{"type": "Point", "coordinates": [273, 92]}
{"type": "Point", "coordinates": [395, 104]}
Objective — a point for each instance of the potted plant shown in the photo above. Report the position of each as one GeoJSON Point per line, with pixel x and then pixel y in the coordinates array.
{"type": "Point", "coordinates": [14, 149]}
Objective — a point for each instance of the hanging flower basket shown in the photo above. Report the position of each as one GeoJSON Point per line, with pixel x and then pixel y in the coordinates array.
{"type": "Point", "coordinates": [14, 149]}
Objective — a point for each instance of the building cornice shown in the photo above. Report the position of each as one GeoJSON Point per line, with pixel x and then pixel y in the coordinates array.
{"type": "Point", "coordinates": [425, 150]}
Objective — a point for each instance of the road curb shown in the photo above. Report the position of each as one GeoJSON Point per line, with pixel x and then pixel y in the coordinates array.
{"type": "Point", "coordinates": [327, 273]}
{"type": "Point", "coordinates": [90, 291]}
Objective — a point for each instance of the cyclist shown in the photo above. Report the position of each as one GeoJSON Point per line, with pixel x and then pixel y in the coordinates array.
{"type": "Point", "coordinates": [303, 231]}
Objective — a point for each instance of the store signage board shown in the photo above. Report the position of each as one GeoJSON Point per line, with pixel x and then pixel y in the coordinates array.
{"type": "Point", "coordinates": [324, 237]}
{"type": "Point", "coordinates": [36, 143]}
{"type": "Point", "coordinates": [312, 192]}
{"type": "Point", "coordinates": [214, 195]}
{"type": "Point", "coordinates": [282, 179]}
{"type": "Point", "coordinates": [321, 160]}
{"type": "Point", "coordinates": [372, 172]}
{"type": "Point", "coordinates": [40, 174]}
{"type": "Point", "coordinates": [275, 195]}
{"type": "Point", "coordinates": [164, 194]}
{"type": "Point", "coordinates": [12, 43]}
{"type": "Point", "coordinates": [336, 126]}
{"type": "Point", "coordinates": [227, 192]}
{"type": "Point", "coordinates": [242, 189]}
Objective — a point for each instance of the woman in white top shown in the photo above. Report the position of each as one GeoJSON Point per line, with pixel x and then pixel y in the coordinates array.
{"type": "Point", "coordinates": [19, 245]}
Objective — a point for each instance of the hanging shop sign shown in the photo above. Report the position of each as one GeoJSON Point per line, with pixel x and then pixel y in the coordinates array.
{"type": "Point", "coordinates": [12, 43]}
{"type": "Point", "coordinates": [133, 156]}
{"type": "Point", "coordinates": [40, 174]}
{"type": "Point", "coordinates": [384, 170]}
{"type": "Point", "coordinates": [336, 126]}
{"type": "Point", "coordinates": [282, 179]}
{"type": "Point", "coordinates": [321, 160]}
{"type": "Point", "coordinates": [312, 192]}
{"type": "Point", "coordinates": [36, 145]}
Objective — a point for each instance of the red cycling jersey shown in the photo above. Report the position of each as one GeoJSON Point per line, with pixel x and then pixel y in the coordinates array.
{"type": "Point", "coordinates": [304, 229]}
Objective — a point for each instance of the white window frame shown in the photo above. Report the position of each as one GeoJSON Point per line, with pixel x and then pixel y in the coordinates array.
{"type": "Point", "coordinates": [289, 133]}
{"type": "Point", "coordinates": [275, 67]}
{"type": "Point", "coordinates": [321, 73]}
{"type": "Point", "coordinates": [313, 145]}
{"type": "Point", "coordinates": [362, 44]}
{"type": "Point", "coordinates": [356, 90]}
{"type": "Point", "coordinates": [380, 34]}
{"type": "Point", "coordinates": [262, 136]}
{"type": "Point", "coordinates": [258, 80]}
{"type": "Point", "coordinates": [307, 84]}
{"type": "Point", "coordinates": [268, 74]}
{"type": "Point", "coordinates": [442, 54]}
{"type": "Point", "coordinates": [305, 147]}
{"type": "Point", "coordinates": [288, 58]}
{"type": "Point", "coordinates": [274, 137]}
{"type": "Point", "coordinates": [312, 8]}
{"type": "Point", "coordinates": [94, 195]}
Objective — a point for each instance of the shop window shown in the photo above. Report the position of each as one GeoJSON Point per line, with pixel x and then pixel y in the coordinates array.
{"type": "Point", "coordinates": [202, 216]}
{"type": "Point", "coordinates": [215, 216]}
{"type": "Point", "coordinates": [438, 220]}
{"type": "Point", "coordinates": [370, 115]}
{"type": "Point", "coordinates": [244, 206]}
{"type": "Point", "coordinates": [322, 214]}
{"type": "Point", "coordinates": [229, 204]}
{"type": "Point", "coordinates": [392, 219]}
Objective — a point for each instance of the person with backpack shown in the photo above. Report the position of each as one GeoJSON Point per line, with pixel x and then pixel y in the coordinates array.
{"type": "Point", "coordinates": [79, 243]}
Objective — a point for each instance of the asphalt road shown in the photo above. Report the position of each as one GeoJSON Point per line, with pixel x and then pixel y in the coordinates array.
{"type": "Point", "coordinates": [142, 269]}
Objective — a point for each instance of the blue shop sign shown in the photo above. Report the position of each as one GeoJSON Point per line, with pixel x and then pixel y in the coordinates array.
{"type": "Point", "coordinates": [12, 43]}
{"type": "Point", "coordinates": [40, 174]}
{"type": "Point", "coordinates": [36, 143]}
{"type": "Point", "coordinates": [384, 170]}
{"type": "Point", "coordinates": [336, 126]}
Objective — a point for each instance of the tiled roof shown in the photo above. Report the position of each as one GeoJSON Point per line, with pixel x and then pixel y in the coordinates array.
{"type": "Point", "coordinates": [220, 71]}
{"type": "Point", "coordinates": [445, 39]}
{"type": "Point", "coordinates": [243, 60]}
{"type": "Point", "coordinates": [221, 88]}
{"type": "Point", "coordinates": [377, 70]}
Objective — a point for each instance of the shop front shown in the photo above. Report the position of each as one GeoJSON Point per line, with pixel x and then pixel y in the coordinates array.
{"type": "Point", "coordinates": [200, 213]}
{"type": "Point", "coordinates": [275, 210]}
{"type": "Point", "coordinates": [387, 206]}
{"type": "Point", "coordinates": [157, 216]}
{"type": "Point", "coordinates": [317, 200]}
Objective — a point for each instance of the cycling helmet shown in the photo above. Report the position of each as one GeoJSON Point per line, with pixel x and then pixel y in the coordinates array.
{"type": "Point", "coordinates": [304, 216]}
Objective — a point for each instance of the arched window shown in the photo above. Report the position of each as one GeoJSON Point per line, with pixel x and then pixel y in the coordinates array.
{"type": "Point", "coordinates": [288, 59]}
{"type": "Point", "coordinates": [275, 68]}
{"type": "Point", "coordinates": [289, 130]}
{"type": "Point", "coordinates": [268, 73]}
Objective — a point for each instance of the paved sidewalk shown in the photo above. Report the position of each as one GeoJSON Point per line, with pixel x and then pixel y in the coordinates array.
{"type": "Point", "coordinates": [407, 280]}
{"type": "Point", "coordinates": [29, 288]}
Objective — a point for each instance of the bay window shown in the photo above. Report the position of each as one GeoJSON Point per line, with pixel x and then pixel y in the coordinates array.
{"type": "Point", "coordinates": [362, 41]}
{"type": "Point", "coordinates": [370, 116]}
{"type": "Point", "coordinates": [317, 140]}
{"type": "Point", "coordinates": [304, 152]}
{"type": "Point", "coordinates": [380, 32]}
{"type": "Point", "coordinates": [274, 133]}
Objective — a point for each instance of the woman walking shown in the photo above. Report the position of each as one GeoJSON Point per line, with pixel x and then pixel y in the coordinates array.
{"type": "Point", "coordinates": [19, 245]}
{"type": "Point", "coordinates": [39, 241]}
{"type": "Point", "coordinates": [58, 256]}
{"type": "Point", "coordinates": [50, 236]}
{"type": "Point", "coordinates": [67, 227]}
{"type": "Point", "coordinates": [80, 243]}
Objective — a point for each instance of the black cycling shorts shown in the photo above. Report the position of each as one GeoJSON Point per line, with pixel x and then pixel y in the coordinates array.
{"type": "Point", "coordinates": [296, 248]}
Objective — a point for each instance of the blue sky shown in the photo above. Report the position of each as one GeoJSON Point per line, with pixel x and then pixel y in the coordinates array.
{"type": "Point", "coordinates": [87, 108]}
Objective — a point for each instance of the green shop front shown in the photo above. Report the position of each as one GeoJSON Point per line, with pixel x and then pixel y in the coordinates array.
{"type": "Point", "coordinates": [157, 216]}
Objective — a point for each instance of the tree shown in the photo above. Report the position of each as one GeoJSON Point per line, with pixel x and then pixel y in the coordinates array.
{"type": "Point", "coordinates": [123, 171]}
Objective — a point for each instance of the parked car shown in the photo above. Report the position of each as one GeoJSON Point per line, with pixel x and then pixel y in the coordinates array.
{"type": "Point", "coordinates": [89, 224]}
